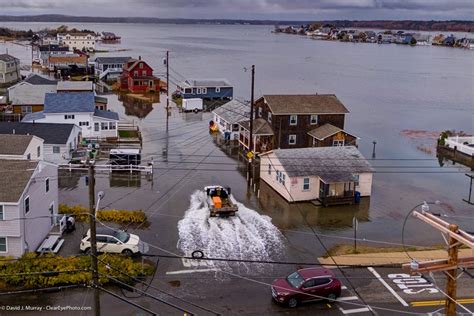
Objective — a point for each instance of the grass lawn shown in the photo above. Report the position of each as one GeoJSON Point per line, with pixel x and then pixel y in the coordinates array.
{"type": "Point", "coordinates": [128, 134]}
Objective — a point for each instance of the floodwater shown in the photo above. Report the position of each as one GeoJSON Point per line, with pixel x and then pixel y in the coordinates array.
{"type": "Point", "coordinates": [391, 91]}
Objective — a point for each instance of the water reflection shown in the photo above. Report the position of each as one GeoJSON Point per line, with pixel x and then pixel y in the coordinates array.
{"type": "Point", "coordinates": [290, 216]}
{"type": "Point", "coordinates": [125, 179]}
{"type": "Point", "coordinates": [69, 180]}
{"type": "Point", "coordinates": [192, 117]}
{"type": "Point", "coordinates": [139, 107]}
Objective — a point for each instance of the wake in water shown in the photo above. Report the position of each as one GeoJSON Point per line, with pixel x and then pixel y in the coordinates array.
{"type": "Point", "coordinates": [247, 235]}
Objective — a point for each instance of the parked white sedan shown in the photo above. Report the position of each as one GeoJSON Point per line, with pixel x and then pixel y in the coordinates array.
{"type": "Point", "coordinates": [114, 241]}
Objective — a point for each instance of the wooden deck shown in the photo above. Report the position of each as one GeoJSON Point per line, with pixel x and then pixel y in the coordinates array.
{"type": "Point", "coordinates": [337, 200]}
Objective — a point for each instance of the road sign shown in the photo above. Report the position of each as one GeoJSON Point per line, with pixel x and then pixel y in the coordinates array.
{"type": "Point", "coordinates": [250, 155]}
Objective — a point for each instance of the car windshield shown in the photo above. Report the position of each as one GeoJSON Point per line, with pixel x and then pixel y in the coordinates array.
{"type": "Point", "coordinates": [295, 279]}
{"type": "Point", "coordinates": [122, 236]}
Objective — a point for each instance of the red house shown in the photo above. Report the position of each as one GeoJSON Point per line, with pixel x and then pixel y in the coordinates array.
{"type": "Point", "coordinates": [137, 76]}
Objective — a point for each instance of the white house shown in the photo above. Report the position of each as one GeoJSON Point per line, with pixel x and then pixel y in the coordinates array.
{"type": "Point", "coordinates": [28, 205]}
{"type": "Point", "coordinates": [60, 140]}
{"type": "Point", "coordinates": [331, 175]}
{"type": "Point", "coordinates": [23, 147]}
{"type": "Point", "coordinates": [228, 117]}
{"type": "Point", "coordinates": [79, 109]}
{"type": "Point", "coordinates": [9, 70]}
{"type": "Point", "coordinates": [79, 41]}
{"type": "Point", "coordinates": [109, 68]}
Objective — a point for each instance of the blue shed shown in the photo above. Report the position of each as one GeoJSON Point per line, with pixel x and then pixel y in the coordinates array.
{"type": "Point", "coordinates": [206, 89]}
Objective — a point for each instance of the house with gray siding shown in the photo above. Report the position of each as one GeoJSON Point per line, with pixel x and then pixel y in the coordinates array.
{"type": "Point", "coordinates": [206, 89]}
{"type": "Point", "coordinates": [9, 70]}
{"type": "Point", "coordinates": [28, 205]}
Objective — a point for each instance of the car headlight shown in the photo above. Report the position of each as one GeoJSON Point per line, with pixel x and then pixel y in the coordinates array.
{"type": "Point", "coordinates": [283, 293]}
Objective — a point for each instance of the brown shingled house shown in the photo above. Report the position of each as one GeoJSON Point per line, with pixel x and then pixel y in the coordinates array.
{"type": "Point", "coordinates": [297, 121]}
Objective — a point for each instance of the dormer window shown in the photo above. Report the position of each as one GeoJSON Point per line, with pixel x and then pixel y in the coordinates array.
{"type": "Point", "coordinates": [140, 65]}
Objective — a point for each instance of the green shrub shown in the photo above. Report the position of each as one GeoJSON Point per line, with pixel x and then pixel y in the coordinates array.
{"type": "Point", "coordinates": [117, 216]}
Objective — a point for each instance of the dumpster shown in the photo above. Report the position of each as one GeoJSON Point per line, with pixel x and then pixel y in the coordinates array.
{"type": "Point", "coordinates": [357, 197]}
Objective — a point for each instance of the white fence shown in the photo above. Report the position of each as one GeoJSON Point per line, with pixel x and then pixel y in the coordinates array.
{"type": "Point", "coordinates": [462, 144]}
{"type": "Point", "coordinates": [109, 168]}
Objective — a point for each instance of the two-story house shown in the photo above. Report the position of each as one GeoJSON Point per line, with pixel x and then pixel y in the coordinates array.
{"type": "Point", "coordinates": [296, 121]}
{"type": "Point", "coordinates": [206, 89]}
{"type": "Point", "coordinates": [28, 96]}
{"type": "Point", "coordinates": [109, 68]}
{"type": "Point", "coordinates": [45, 51]}
{"type": "Point", "coordinates": [78, 41]}
{"type": "Point", "coordinates": [137, 76]}
{"type": "Point", "coordinates": [28, 204]}
{"type": "Point", "coordinates": [77, 108]}
{"type": "Point", "coordinates": [21, 147]}
{"type": "Point", "coordinates": [9, 70]}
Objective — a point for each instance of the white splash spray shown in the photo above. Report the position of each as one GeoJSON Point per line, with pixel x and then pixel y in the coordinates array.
{"type": "Point", "coordinates": [248, 235]}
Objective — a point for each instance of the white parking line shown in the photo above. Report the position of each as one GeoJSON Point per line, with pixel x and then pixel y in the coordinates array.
{"type": "Point", "coordinates": [191, 271]}
{"type": "Point", "coordinates": [401, 300]}
{"type": "Point", "coordinates": [347, 298]}
{"type": "Point", "coordinates": [354, 310]}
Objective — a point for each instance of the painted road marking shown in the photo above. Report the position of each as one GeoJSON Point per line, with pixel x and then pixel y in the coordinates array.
{"type": "Point", "coordinates": [191, 271]}
{"type": "Point", "coordinates": [354, 310]}
{"type": "Point", "coordinates": [347, 298]}
{"type": "Point", "coordinates": [441, 302]}
{"type": "Point", "coordinates": [401, 300]}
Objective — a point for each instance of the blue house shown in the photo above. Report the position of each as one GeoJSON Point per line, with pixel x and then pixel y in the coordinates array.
{"type": "Point", "coordinates": [449, 41]}
{"type": "Point", "coordinates": [206, 89]}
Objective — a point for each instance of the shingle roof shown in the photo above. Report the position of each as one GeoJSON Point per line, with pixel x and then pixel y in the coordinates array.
{"type": "Point", "coordinates": [106, 114]}
{"type": "Point", "coordinates": [13, 182]}
{"type": "Point", "coordinates": [112, 60]}
{"type": "Point", "coordinates": [8, 58]}
{"type": "Point", "coordinates": [324, 131]}
{"type": "Point", "coordinates": [69, 102]}
{"type": "Point", "coordinates": [58, 59]}
{"type": "Point", "coordinates": [208, 82]}
{"type": "Point", "coordinates": [31, 117]}
{"type": "Point", "coordinates": [36, 79]}
{"type": "Point", "coordinates": [331, 164]}
{"type": "Point", "coordinates": [233, 111]}
{"type": "Point", "coordinates": [24, 94]}
{"type": "Point", "coordinates": [14, 144]}
{"type": "Point", "coordinates": [305, 104]}
{"type": "Point", "coordinates": [260, 127]}
{"type": "Point", "coordinates": [75, 86]}
{"type": "Point", "coordinates": [52, 133]}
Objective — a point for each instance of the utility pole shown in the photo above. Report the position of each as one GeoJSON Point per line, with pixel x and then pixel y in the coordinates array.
{"type": "Point", "coordinates": [451, 285]}
{"type": "Point", "coordinates": [95, 269]}
{"type": "Point", "coordinates": [250, 153]}
{"type": "Point", "coordinates": [167, 88]}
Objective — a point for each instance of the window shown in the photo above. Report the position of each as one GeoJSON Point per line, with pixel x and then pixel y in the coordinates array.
{"type": "Point", "coordinates": [47, 185]}
{"type": "Point", "coordinates": [188, 90]}
{"type": "Point", "coordinates": [277, 175]}
{"type": "Point", "coordinates": [309, 283]}
{"type": "Point", "coordinates": [111, 125]}
{"type": "Point", "coordinates": [2, 213]}
{"type": "Point", "coordinates": [356, 180]}
{"type": "Point", "coordinates": [144, 73]}
{"type": "Point", "coordinates": [269, 117]}
{"type": "Point", "coordinates": [338, 143]}
{"type": "Point", "coordinates": [293, 119]}
{"type": "Point", "coordinates": [135, 73]}
{"type": "Point", "coordinates": [26, 109]}
{"type": "Point", "coordinates": [101, 238]}
{"type": "Point", "coordinates": [313, 120]}
{"type": "Point", "coordinates": [38, 151]}
{"type": "Point", "coordinates": [321, 281]}
{"type": "Point", "coordinates": [218, 89]}
{"type": "Point", "coordinates": [28, 156]}
{"type": "Point", "coordinates": [3, 244]}
{"type": "Point", "coordinates": [56, 150]}
{"type": "Point", "coordinates": [235, 127]}
{"type": "Point", "coordinates": [306, 184]}
{"type": "Point", "coordinates": [140, 65]}
{"type": "Point", "coordinates": [104, 126]}
{"type": "Point", "coordinates": [27, 204]}
{"type": "Point", "coordinates": [260, 111]}
{"type": "Point", "coordinates": [83, 123]}
{"type": "Point", "coordinates": [280, 177]}
{"type": "Point", "coordinates": [96, 127]}
{"type": "Point", "coordinates": [69, 117]}
{"type": "Point", "coordinates": [269, 169]}
{"type": "Point", "coordinates": [292, 139]}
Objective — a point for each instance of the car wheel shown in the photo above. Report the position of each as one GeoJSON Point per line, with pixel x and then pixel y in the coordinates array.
{"type": "Point", "coordinates": [87, 251]}
{"type": "Point", "coordinates": [127, 252]}
{"type": "Point", "coordinates": [332, 297]}
{"type": "Point", "coordinates": [292, 302]}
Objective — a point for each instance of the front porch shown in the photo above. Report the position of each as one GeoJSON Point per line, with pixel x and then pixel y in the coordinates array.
{"type": "Point", "coordinates": [338, 193]}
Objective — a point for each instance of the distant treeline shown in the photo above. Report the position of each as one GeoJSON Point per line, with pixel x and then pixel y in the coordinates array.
{"type": "Point", "coordinates": [446, 26]}
{"type": "Point", "coordinates": [8, 33]}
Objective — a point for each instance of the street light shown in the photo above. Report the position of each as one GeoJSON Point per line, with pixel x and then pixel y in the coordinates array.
{"type": "Point", "coordinates": [100, 196]}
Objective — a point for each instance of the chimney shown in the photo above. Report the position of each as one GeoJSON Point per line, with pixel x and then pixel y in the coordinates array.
{"type": "Point", "coordinates": [139, 57]}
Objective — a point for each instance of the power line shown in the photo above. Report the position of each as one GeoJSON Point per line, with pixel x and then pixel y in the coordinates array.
{"type": "Point", "coordinates": [127, 301]}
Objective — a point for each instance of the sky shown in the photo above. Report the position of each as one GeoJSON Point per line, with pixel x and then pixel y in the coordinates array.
{"type": "Point", "coordinates": [250, 9]}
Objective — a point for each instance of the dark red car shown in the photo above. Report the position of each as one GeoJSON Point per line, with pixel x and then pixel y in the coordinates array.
{"type": "Point", "coordinates": [306, 285]}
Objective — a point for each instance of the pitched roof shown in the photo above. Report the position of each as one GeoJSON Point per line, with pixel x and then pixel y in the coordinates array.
{"type": "Point", "coordinates": [305, 104]}
{"type": "Point", "coordinates": [233, 111]}
{"type": "Point", "coordinates": [112, 60]}
{"type": "Point", "coordinates": [8, 58]}
{"type": "Point", "coordinates": [106, 114]}
{"type": "Point", "coordinates": [14, 144]}
{"type": "Point", "coordinates": [36, 79]}
{"type": "Point", "coordinates": [260, 126]}
{"type": "Point", "coordinates": [52, 133]}
{"type": "Point", "coordinates": [53, 48]}
{"type": "Point", "coordinates": [75, 86]}
{"type": "Point", "coordinates": [331, 164]}
{"type": "Point", "coordinates": [31, 117]}
{"type": "Point", "coordinates": [13, 182]}
{"type": "Point", "coordinates": [24, 94]}
{"type": "Point", "coordinates": [324, 131]}
{"type": "Point", "coordinates": [207, 82]}
{"type": "Point", "coordinates": [69, 102]}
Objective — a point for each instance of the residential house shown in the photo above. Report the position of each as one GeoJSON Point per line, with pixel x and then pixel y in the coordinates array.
{"type": "Point", "coordinates": [438, 39]}
{"type": "Point", "coordinates": [60, 140]}
{"type": "Point", "coordinates": [28, 96]}
{"type": "Point", "coordinates": [46, 51]}
{"type": "Point", "coordinates": [422, 39]}
{"type": "Point", "coordinates": [79, 109]}
{"type": "Point", "coordinates": [449, 41]}
{"type": "Point", "coordinates": [287, 120]}
{"type": "Point", "coordinates": [28, 205]}
{"type": "Point", "coordinates": [137, 76]}
{"type": "Point", "coordinates": [331, 175]}
{"type": "Point", "coordinates": [385, 38]}
{"type": "Point", "coordinates": [467, 43]}
{"type": "Point", "coordinates": [82, 86]}
{"type": "Point", "coordinates": [206, 89]}
{"type": "Point", "coordinates": [78, 41]}
{"type": "Point", "coordinates": [109, 36]}
{"type": "Point", "coordinates": [228, 116]}
{"type": "Point", "coordinates": [327, 135]}
{"type": "Point", "coordinates": [68, 64]}
{"type": "Point", "coordinates": [109, 68]}
{"type": "Point", "coordinates": [9, 70]}
{"type": "Point", "coordinates": [21, 147]}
